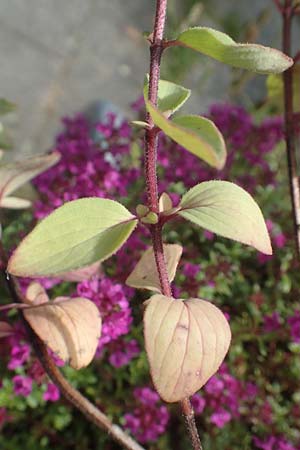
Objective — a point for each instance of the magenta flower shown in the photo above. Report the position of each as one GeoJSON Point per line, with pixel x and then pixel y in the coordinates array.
{"type": "Point", "coordinates": [294, 323]}
{"type": "Point", "coordinates": [19, 355]}
{"type": "Point", "coordinates": [52, 393]}
{"type": "Point", "coordinates": [149, 419]}
{"type": "Point", "coordinates": [190, 270]}
{"type": "Point", "coordinates": [22, 385]}
{"type": "Point", "coordinates": [279, 240]}
{"type": "Point", "coordinates": [123, 353]}
{"type": "Point", "coordinates": [220, 417]}
{"type": "Point", "coordinates": [271, 322]}
{"type": "Point", "coordinates": [273, 443]}
{"type": "Point", "coordinates": [111, 299]}
{"type": "Point", "coordinates": [198, 403]}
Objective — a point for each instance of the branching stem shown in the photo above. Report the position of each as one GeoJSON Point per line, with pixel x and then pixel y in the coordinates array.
{"type": "Point", "coordinates": [290, 136]}
{"type": "Point", "coordinates": [90, 411]}
{"type": "Point", "coordinates": [151, 140]}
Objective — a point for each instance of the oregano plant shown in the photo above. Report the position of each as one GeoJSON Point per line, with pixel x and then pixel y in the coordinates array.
{"type": "Point", "coordinates": [186, 340]}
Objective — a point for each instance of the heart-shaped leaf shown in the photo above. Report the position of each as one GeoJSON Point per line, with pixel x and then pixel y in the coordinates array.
{"type": "Point", "coordinates": [228, 210]}
{"type": "Point", "coordinates": [196, 134]}
{"type": "Point", "coordinates": [70, 327]}
{"type": "Point", "coordinates": [221, 47]}
{"type": "Point", "coordinates": [186, 342]}
{"type": "Point", "coordinates": [171, 96]}
{"type": "Point", "coordinates": [145, 276]}
{"type": "Point", "coordinates": [15, 174]}
{"type": "Point", "coordinates": [75, 235]}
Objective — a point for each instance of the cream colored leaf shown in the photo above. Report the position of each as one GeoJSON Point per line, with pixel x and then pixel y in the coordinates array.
{"type": "Point", "coordinates": [15, 174]}
{"type": "Point", "coordinates": [165, 202]}
{"type": "Point", "coordinates": [186, 342]}
{"type": "Point", "coordinates": [70, 327]}
{"type": "Point", "coordinates": [145, 276]}
{"type": "Point", "coordinates": [14, 203]}
{"type": "Point", "coordinates": [36, 294]}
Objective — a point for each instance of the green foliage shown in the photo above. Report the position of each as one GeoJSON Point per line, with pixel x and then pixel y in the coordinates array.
{"type": "Point", "coordinates": [6, 107]}
{"type": "Point", "coordinates": [228, 210]}
{"type": "Point", "coordinates": [221, 47]}
{"type": "Point", "coordinates": [275, 90]}
{"type": "Point", "coordinates": [171, 96]}
{"type": "Point", "coordinates": [195, 133]}
{"type": "Point", "coordinates": [75, 235]}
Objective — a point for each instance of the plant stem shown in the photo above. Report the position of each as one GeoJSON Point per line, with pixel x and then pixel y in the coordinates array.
{"type": "Point", "coordinates": [189, 416]}
{"type": "Point", "coordinates": [90, 411]}
{"type": "Point", "coordinates": [151, 140]}
{"type": "Point", "coordinates": [290, 138]}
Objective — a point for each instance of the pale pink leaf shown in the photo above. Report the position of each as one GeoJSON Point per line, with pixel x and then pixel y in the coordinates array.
{"type": "Point", "coordinates": [70, 327]}
{"type": "Point", "coordinates": [145, 276]}
{"type": "Point", "coordinates": [36, 294]}
{"type": "Point", "coordinates": [186, 342]}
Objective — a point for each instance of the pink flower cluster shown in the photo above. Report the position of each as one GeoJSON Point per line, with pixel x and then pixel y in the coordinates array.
{"type": "Point", "coordinates": [149, 419]}
{"type": "Point", "coordinates": [274, 443]}
{"type": "Point", "coordinates": [226, 396]}
{"type": "Point", "coordinates": [112, 302]}
{"type": "Point", "coordinates": [83, 170]}
{"type": "Point", "coordinates": [294, 323]}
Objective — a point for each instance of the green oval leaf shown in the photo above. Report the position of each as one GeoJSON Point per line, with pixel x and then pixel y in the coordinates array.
{"type": "Point", "coordinates": [226, 209]}
{"type": "Point", "coordinates": [171, 96]}
{"type": "Point", "coordinates": [196, 134]}
{"type": "Point", "coordinates": [75, 235]}
{"type": "Point", "coordinates": [221, 47]}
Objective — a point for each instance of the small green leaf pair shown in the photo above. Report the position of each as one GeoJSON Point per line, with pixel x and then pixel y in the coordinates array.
{"type": "Point", "coordinates": [198, 134]}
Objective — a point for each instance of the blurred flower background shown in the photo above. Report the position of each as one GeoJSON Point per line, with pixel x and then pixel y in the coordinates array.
{"type": "Point", "coordinates": [253, 401]}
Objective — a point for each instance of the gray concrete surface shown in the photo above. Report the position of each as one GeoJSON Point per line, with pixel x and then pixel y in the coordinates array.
{"type": "Point", "coordinates": [59, 55]}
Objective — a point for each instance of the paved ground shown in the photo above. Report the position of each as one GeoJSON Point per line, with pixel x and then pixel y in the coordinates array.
{"type": "Point", "coordinates": [59, 55]}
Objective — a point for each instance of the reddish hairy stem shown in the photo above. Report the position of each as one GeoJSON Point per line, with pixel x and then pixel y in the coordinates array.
{"type": "Point", "coordinates": [189, 414]}
{"type": "Point", "coordinates": [90, 411]}
{"type": "Point", "coordinates": [290, 138]}
{"type": "Point", "coordinates": [151, 138]}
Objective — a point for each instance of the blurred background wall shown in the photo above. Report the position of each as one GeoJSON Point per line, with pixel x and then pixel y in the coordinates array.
{"type": "Point", "coordinates": [58, 56]}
